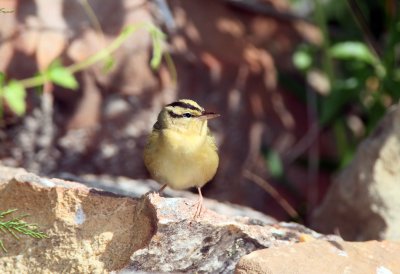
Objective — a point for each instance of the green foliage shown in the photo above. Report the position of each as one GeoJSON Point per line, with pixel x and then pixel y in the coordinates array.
{"type": "Point", "coordinates": [2, 78]}
{"type": "Point", "coordinates": [358, 79]}
{"type": "Point", "coordinates": [352, 50]}
{"type": "Point", "coordinates": [361, 63]}
{"type": "Point", "coordinates": [61, 76]}
{"type": "Point", "coordinates": [157, 37]}
{"type": "Point", "coordinates": [302, 59]}
{"type": "Point", "coordinates": [109, 64]}
{"type": "Point", "coordinates": [17, 226]}
{"type": "Point", "coordinates": [14, 91]}
{"type": "Point", "coordinates": [274, 164]}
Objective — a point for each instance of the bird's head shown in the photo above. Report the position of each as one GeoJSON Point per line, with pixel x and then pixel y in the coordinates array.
{"type": "Point", "coordinates": [185, 116]}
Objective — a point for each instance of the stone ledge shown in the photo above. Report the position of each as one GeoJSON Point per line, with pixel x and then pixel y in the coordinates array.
{"type": "Point", "coordinates": [93, 231]}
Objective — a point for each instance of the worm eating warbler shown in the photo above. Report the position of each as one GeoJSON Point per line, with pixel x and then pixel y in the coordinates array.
{"type": "Point", "coordinates": [180, 151]}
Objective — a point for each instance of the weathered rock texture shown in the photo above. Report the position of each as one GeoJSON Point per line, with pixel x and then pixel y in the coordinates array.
{"type": "Point", "coordinates": [363, 203]}
{"type": "Point", "coordinates": [318, 256]}
{"type": "Point", "coordinates": [90, 231]}
{"type": "Point", "coordinates": [93, 231]}
{"type": "Point", "coordinates": [212, 244]}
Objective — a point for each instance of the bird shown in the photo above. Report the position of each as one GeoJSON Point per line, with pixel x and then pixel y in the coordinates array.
{"type": "Point", "coordinates": [181, 151]}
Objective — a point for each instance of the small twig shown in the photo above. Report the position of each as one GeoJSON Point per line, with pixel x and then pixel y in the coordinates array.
{"type": "Point", "coordinates": [271, 191]}
{"type": "Point", "coordinates": [313, 153]}
{"type": "Point", "coordinates": [305, 143]}
{"type": "Point", "coordinates": [171, 67]}
{"type": "Point", "coordinates": [93, 19]}
{"type": "Point", "coordinates": [326, 58]}
{"type": "Point", "coordinates": [361, 22]}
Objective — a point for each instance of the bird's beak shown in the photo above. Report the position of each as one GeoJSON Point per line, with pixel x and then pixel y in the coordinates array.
{"type": "Point", "coordinates": [208, 115]}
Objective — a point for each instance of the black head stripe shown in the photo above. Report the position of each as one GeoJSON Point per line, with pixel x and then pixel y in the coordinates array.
{"type": "Point", "coordinates": [174, 115]}
{"type": "Point", "coordinates": [184, 105]}
{"type": "Point", "coordinates": [184, 115]}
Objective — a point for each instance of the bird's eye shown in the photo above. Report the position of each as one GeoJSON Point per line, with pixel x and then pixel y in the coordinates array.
{"type": "Point", "coordinates": [187, 115]}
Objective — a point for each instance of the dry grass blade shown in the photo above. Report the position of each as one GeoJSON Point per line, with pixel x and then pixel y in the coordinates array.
{"type": "Point", "coordinates": [271, 191]}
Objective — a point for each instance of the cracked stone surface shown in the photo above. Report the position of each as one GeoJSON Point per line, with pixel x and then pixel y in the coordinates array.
{"type": "Point", "coordinates": [93, 231]}
{"type": "Point", "coordinates": [89, 230]}
{"type": "Point", "coordinates": [211, 244]}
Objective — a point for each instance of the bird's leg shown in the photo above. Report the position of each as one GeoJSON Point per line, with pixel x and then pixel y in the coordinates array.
{"type": "Point", "coordinates": [156, 191]}
{"type": "Point", "coordinates": [199, 204]}
{"type": "Point", "coordinates": [162, 188]}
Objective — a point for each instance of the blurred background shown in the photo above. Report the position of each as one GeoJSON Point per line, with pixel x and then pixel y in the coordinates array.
{"type": "Point", "coordinates": [298, 83]}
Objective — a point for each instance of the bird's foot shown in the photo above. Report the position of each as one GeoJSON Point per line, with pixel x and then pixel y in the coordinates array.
{"type": "Point", "coordinates": [199, 207]}
{"type": "Point", "coordinates": [156, 191]}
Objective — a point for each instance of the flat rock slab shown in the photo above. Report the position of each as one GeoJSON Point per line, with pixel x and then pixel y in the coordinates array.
{"type": "Point", "coordinates": [93, 231]}
{"type": "Point", "coordinates": [319, 256]}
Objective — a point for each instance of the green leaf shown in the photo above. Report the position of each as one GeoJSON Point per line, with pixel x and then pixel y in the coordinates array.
{"type": "Point", "coordinates": [14, 93]}
{"type": "Point", "coordinates": [343, 93]}
{"type": "Point", "coordinates": [302, 60]}
{"type": "Point", "coordinates": [158, 38]}
{"type": "Point", "coordinates": [274, 164]}
{"type": "Point", "coordinates": [109, 64]}
{"type": "Point", "coordinates": [352, 51]}
{"type": "Point", "coordinates": [62, 76]}
{"type": "Point", "coordinates": [2, 78]}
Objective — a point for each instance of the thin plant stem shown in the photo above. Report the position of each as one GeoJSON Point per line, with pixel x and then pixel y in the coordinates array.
{"type": "Point", "coordinates": [93, 19]}
{"type": "Point", "coordinates": [362, 24]}
{"type": "Point", "coordinates": [271, 191]}
{"type": "Point", "coordinates": [102, 54]}
{"type": "Point", "coordinates": [321, 22]}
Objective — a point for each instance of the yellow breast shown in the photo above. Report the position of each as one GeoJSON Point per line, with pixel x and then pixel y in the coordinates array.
{"type": "Point", "coordinates": [181, 160]}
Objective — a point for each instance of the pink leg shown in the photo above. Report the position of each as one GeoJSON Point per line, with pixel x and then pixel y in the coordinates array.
{"type": "Point", "coordinates": [199, 205]}
{"type": "Point", "coordinates": [162, 188]}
